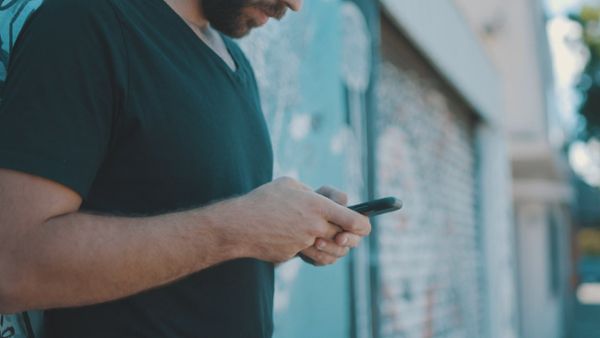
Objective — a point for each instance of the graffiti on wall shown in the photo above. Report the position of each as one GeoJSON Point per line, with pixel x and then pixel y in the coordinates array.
{"type": "Point", "coordinates": [13, 14]}
{"type": "Point", "coordinates": [356, 76]}
{"type": "Point", "coordinates": [429, 265]}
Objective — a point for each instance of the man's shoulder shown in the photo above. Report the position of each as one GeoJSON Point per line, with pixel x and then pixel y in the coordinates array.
{"type": "Point", "coordinates": [73, 21]}
{"type": "Point", "coordinates": [78, 10]}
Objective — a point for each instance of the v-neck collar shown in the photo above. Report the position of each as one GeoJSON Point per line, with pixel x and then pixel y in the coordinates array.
{"type": "Point", "coordinates": [237, 73]}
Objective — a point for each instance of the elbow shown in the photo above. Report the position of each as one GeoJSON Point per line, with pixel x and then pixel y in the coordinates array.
{"type": "Point", "coordinates": [7, 302]}
{"type": "Point", "coordinates": [11, 297]}
{"type": "Point", "coordinates": [7, 305]}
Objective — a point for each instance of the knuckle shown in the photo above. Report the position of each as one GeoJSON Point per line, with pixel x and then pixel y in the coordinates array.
{"type": "Point", "coordinates": [355, 226]}
{"type": "Point", "coordinates": [286, 180]}
{"type": "Point", "coordinates": [313, 231]}
{"type": "Point", "coordinates": [318, 204]}
{"type": "Point", "coordinates": [362, 226]}
{"type": "Point", "coordinates": [311, 204]}
{"type": "Point", "coordinates": [343, 196]}
{"type": "Point", "coordinates": [308, 242]}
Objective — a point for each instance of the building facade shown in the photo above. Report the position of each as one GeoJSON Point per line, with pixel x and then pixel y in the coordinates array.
{"type": "Point", "coordinates": [514, 35]}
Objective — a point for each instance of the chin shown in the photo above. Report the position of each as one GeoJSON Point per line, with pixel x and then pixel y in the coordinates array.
{"type": "Point", "coordinates": [238, 33]}
{"type": "Point", "coordinates": [240, 30]}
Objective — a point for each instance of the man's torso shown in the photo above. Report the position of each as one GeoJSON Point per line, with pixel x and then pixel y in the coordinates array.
{"type": "Point", "coordinates": [187, 130]}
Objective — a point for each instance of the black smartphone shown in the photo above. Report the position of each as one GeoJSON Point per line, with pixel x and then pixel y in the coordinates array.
{"type": "Point", "coordinates": [378, 206]}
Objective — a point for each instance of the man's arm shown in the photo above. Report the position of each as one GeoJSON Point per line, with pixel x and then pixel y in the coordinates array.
{"type": "Point", "coordinates": [52, 256]}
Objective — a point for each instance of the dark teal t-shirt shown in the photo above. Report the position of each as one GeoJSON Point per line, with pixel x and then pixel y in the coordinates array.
{"type": "Point", "coordinates": [120, 101]}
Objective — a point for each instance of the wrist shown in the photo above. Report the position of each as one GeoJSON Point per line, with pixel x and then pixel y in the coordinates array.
{"type": "Point", "coordinates": [224, 221]}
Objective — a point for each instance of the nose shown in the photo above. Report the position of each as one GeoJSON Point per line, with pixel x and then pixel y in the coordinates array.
{"type": "Point", "coordinates": [295, 5]}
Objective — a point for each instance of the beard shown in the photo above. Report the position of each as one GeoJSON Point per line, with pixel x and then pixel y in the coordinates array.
{"type": "Point", "coordinates": [228, 17]}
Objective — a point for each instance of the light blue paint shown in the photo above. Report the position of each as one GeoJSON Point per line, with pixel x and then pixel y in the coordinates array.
{"type": "Point", "coordinates": [13, 14]}
{"type": "Point", "coordinates": [319, 306]}
{"type": "Point", "coordinates": [307, 49]}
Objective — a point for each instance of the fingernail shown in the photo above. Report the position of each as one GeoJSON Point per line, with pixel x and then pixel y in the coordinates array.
{"type": "Point", "coordinates": [344, 240]}
{"type": "Point", "coordinates": [321, 245]}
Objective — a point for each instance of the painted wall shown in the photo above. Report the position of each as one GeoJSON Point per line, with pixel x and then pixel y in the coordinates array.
{"type": "Point", "coordinates": [429, 255]}
{"type": "Point", "coordinates": [441, 35]}
{"type": "Point", "coordinates": [13, 14]}
{"type": "Point", "coordinates": [313, 71]}
{"type": "Point", "coordinates": [513, 33]}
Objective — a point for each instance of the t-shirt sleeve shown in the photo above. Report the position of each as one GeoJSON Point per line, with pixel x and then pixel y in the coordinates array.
{"type": "Point", "coordinates": [63, 92]}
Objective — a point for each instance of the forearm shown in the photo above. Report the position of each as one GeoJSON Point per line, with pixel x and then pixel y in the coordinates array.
{"type": "Point", "coordinates": [80, 259]}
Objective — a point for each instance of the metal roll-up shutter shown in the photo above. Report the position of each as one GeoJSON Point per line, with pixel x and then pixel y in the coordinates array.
{"type": "Point", "coordinates": [429, 256]}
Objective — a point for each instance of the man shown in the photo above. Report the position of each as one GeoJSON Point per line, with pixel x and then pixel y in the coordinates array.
{"type": "Point", "coordinates": [136, 192]}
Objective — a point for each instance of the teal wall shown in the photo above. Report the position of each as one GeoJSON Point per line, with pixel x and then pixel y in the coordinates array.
{"type": "Point", "coordinates": [301, 69]}
{"type": "Point", "coordinates": [13, 14]}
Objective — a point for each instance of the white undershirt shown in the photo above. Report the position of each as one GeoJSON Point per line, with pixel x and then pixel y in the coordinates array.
{"type": "Point", "coordinates": [213, 39]}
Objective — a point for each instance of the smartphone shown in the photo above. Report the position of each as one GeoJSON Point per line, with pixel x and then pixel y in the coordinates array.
{"type": "Point", "coordinates": [378, 206]}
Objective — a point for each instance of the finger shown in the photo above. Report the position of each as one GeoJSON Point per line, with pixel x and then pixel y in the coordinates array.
{"type": "Point", "coordinates": [317, 257]}
{"type": "Point", "coordinates": [330, 231]}
{"type": "Point", "coordinates": [345, 218]}
{"type": "Point", "coordinates": [347, 239]}
{"type": "Point", "coordinates": [331, 248]}
{"type": "Point", "coordinates": [333, 194]}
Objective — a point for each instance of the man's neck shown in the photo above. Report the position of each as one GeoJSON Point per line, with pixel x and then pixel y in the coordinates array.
{"type": "Point", "coordinates": [190, 10]}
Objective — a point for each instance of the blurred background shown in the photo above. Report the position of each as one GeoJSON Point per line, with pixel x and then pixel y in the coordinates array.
{"type": "Point", "coordinates": [483, 116]}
